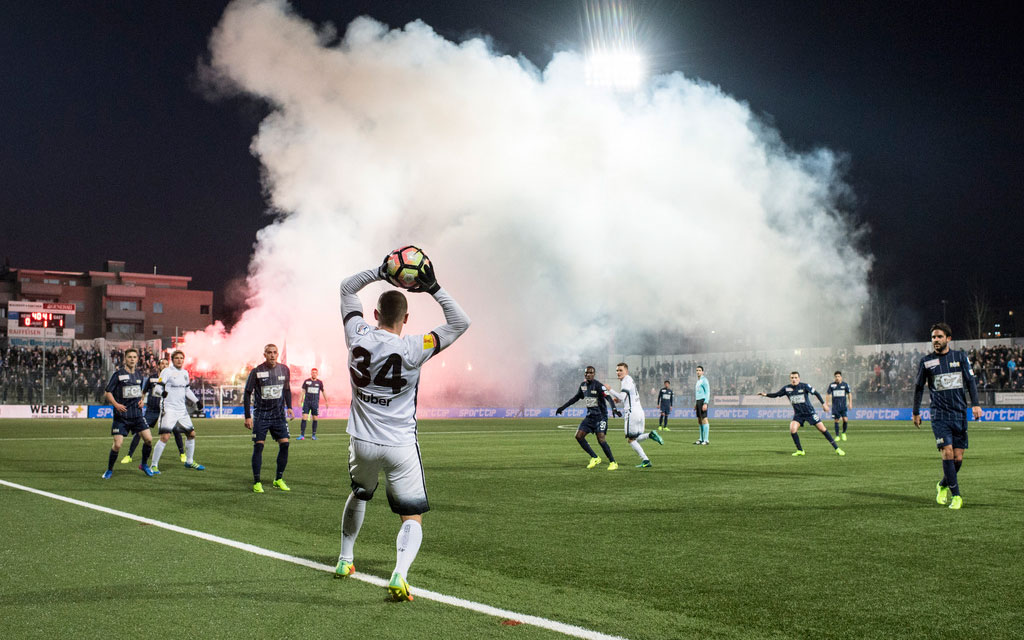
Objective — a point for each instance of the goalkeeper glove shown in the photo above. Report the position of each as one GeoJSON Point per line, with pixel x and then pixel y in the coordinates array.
{"type": "Point", "coordinates": [382, 270]}
{"type": "Point", "coordinates": [616, 413]}
{"type": "Point", "coordinates": [199, 405]}
{"type": "Point", "coordinates": [426, 281]}
{"type": "Point", "coordinates": [164, 394]}
{"type": "Point", "coordinates": [558, 412]}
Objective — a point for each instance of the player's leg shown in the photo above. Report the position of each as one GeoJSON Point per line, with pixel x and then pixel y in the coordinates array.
{"type": "Point", "coordinates": [835, 421]}
{"type": "Point", "coordinates": [700, 424]}
{"type": "Point", "coordinates": [364, 464]}
{"type": "Point", "coordinates": [302, 425]}
{"type": "Point", "coordinates": [315, 413]}
{"type": "Point", "coordinates": [948, 486]}
{"type": "Point", "coordinates": [180, 443]}
{"type": "Point", "coordinates": [407, 495]}
{"type": "Point", "coordinates": [131, 449]}
{"type": "Point", "coordinates": [259, 436]}
{"type": "Point", "coordinates": [167, 424]}
{"type": "Point", "coordinates": [793, 427]}
{"type": "Point", "coordinates": [602, 439]}
{"type": "Point", "coordinates": [147, 445]}
{"type": "Point", "coordinates": [828, 436]}
{"type": "Point", "coordinates": [705, 430]}
{"type": "Point", "coordinates": [185, 424]}
{"type": "Point", "coordinates": [280, 433]}
{"type": "Point", "coordinates": [118, 431]}
{"type": "Point", "coordinates": [581, 437]}
{"type": "Point", "coordinates": [845, 424]}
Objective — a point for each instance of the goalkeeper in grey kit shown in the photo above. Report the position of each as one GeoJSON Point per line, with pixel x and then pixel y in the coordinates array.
{"type": "Point", "coordinates": [384, 367]}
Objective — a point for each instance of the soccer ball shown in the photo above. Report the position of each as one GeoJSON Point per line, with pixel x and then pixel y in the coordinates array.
{"type": "Point", "coordinates": [404, 265]}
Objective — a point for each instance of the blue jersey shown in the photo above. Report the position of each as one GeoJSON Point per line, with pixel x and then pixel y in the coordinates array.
{"type": "Point", "coordinates": [702, 390]}
{"type": "Point", "coordinates": [800, 397]}
{"type": "Point", "coordinates": [273, 392]}
{"type": "Point", "coordinates": [127, 390]}
{"type": "Point", "coordinates": [155, 389]}
{"type": "Point", "coordinates": [946, 376]}
{"type": "Point", "coordinates": [594, 396]}
{"type": "Point", "coordinates": [839, 392]}
{"type": "Point", "coordinates": [312, 388]}
{"type": "Point", "coordinates": [665, 397]}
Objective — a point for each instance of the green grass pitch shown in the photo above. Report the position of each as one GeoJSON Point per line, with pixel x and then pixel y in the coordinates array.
{"type": "Point", "coordinates": [734, 540]}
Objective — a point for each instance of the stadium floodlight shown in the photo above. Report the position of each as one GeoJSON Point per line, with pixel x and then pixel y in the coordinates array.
{"type": "Point", "coordinates": [618, 69]}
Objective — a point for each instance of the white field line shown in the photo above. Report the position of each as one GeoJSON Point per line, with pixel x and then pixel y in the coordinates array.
{"type": "Point", "coordinates": [562, 427]}
{"type": "Point", "coordinates": [544, 623]}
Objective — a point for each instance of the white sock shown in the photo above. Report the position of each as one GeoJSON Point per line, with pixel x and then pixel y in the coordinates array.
{"type": "Point", "coordinates": [190, 448]}
{"type": "Point", "coordinates": [158, 449]}
{"type": "Point", "coordinates": [409, 538]}
{"type": "Point", "coordinates": [639, 450]}
{"type": "Point", "coordinates": [351, 522]}
{"type": "Point", "coordinates": [643, 436]}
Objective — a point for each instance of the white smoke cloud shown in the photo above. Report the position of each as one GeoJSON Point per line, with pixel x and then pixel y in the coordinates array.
{"type": "Point", "coordinates": [556, 213]}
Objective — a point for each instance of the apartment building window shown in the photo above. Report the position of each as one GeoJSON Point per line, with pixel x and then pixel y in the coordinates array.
{"type": "Point", "coordinates": [204, 308]}
{"type": "Point", "coordinates": [158, 307]}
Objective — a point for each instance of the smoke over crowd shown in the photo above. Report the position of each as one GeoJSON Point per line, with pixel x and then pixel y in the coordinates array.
{"type": "Point", "coordinates": [559, 215]}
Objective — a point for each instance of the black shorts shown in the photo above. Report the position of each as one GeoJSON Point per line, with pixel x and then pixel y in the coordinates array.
{"type": "Point", "coordinates": [811, 419]}
{"type": "Point", "coordinates": [699, 408]}
{"type": "Point", "coordinates": [123, 426]}
{"type": "Point", "coordinates": [593, 423]}
{"type": "Point", "coordinates": [950, 433]}
{"type": "Point", "coordinates": [278, 429]}
{"type": "Point", "coordinates": [311, 408]}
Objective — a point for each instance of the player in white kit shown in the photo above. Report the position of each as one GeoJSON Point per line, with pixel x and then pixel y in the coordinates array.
{"type": "Point", "coordinates": [385, 368]}
{"type": "Point", "coordinates": [633, 413]}
{"type": "Point", "coordinates": [174, 415]}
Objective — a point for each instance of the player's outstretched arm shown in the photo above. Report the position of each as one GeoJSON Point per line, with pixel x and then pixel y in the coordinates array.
{"type": "Point", "coordinates": [456, 320]}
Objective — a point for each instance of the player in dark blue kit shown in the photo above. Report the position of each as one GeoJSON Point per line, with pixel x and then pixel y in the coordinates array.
{"type": "Point", "coordinates": [271, 384]}
{"type": "Point", "coordinates": [947, 372]}
{"type": "Point", "coordinates": [312, 389]}
{"type": "Point", "coordinates": [154, 390]}
{"type": "Point", "coordinates": [840, 394]}
{"type": "Point", "coordinates": [799, 394]}
{"type": "Point", "coordinates": [665, 397]}
{"type": "Point", "coordinates": [596, 399]}
{"type": "Point", "coordinates": [124, 393]}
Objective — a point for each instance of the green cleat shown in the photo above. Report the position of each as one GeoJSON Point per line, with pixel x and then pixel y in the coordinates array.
{"type": "Point", "coordinates": [183, 457]}
{"type": "Point", "coordinates": [656, 437]}
{"type": "Point", "coordinates": [344, 569]}
{"type": "Point", "coordinates": [799, 452]}
{"type": "Point", "coordinates": [257, 487]}
{"type": "Point", "coordinates": [942, 494]}
{"type": "Point", "coordinates": [279, 484]}
{"type": "Point", "coordinates": [593, 463]}
{"type": "Point", "coordinates": [956, 502]}
{"type": "Point", "coordinates": [398, 588]}
{"type": "Point", "coordinates": [612, 466]}
{"type": "Point", "coordinates": [646, 464]}
{"type": "Point", "coordinates": [843, 437]}
{"type": "Point", "coordinates": [126, 460]}
{"type": "Point", "coordinates": [666, 428]}
{"type": "Point", "coordinates": [840, 452]}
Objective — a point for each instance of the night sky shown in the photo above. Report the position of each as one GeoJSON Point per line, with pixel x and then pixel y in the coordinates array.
{"type": "Point", "coordinates": [110, 148]}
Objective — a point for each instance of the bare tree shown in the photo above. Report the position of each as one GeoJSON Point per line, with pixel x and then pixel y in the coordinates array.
{"type": "Point", "coordinates": [979, 314]}
{"type": "Point", "coordinates": [880, 317]}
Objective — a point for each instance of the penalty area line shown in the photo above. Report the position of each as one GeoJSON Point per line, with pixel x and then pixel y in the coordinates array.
{"type": "Point", "coordinates": [544, 623]}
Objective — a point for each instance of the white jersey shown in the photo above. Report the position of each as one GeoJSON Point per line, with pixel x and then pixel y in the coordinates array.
{"type": "Point", "coordinates": [629, 397]}
{"type": "Point", "coordinates": [176, 381]}
{"type": "Point", "coordinates": [385, 368]}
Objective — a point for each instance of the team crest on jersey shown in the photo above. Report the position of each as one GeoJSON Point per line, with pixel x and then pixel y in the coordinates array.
{"type": "Point", "coordinates": [363, 329]}
{"type": "Point", "coordinates": [931, 363]}
{"type": "Point", "coordinates": [429, 342]}
{"type": "Point", "coordinates": [954, 364]}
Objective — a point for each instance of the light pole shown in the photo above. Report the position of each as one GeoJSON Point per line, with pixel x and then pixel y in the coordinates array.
{"type": "Point", "coordinates": [943, 312]}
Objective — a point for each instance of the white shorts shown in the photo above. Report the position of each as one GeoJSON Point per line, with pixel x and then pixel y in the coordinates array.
{"type": "Point", "coordinates": [634, 424]}
{"type": "Point", "coordinates": [169, 420]}
{"type": "Point", "coordinates": [403, 472]}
